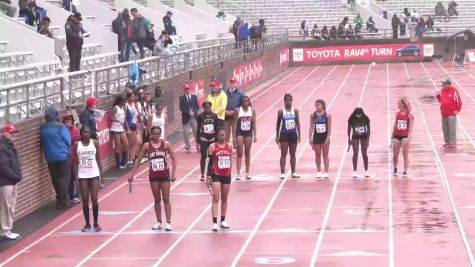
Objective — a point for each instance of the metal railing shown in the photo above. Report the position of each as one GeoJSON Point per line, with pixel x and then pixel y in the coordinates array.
{"type": "Point", "coordinates": [29, 99]}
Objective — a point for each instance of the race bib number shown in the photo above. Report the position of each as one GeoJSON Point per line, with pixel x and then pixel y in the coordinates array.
{"type": "Point", "coordinates": [224, 162]}
{"type": "Point", "coordinates": [289, 124]}
{"type": "Point", "coordinates": [86, 161]}
{"type": "Point", "coordinates": [245, 125]}
{"type": "Point", "coordinates": [208, 128]}
{"type": "Point", "coordinates": [402, 124]}
{"type": "Point", "coordinates": [158, 164]}
{"type": "Point", "coordinates": [360, 130]}
{"type": "Point", "coordinates": [320, 128]}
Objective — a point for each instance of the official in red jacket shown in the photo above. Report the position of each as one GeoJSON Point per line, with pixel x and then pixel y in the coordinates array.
{"type": "Point", "coordinates": [450, 106]}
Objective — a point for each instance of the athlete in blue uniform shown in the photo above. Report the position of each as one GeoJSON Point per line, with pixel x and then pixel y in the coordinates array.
{"type": "Point", "coordinates": [319, 136]}
{"type": "Point", "coordinates": [288, 134]}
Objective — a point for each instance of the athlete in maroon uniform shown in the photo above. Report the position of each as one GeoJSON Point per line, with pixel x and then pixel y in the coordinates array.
{"type": "Point", "coordinates": [402, 133]}
{"type": "Point", "coordinates": [159, 174]}
{"type": "Point", "coordinates": [219, 177]}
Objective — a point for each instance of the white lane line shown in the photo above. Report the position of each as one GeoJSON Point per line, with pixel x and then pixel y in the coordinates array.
{"type": "Point", "coordinates": [390, 184]}
{"type": "Point", "coordinates": [334, 189]}
{"type": "Point", "coordinates": [193, 224]}
{"type": "Point", "coordinates": [446, 184]}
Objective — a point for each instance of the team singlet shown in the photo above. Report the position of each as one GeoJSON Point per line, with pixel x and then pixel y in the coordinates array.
{"type": "Point", "coordinates": [320, 123]}
{"type": "Point", "coordinates": [402, 124]}
{"type": "Point", "coordinates": [87, 166]}
{"type": "Point", "coordinates": [158, 167]}
{"type": "Point", "coordinates": [288, 124]}
{"type": "Point", "coordinates": [222, 160]}
{"type": "Point", "coordinates": [244, 120]}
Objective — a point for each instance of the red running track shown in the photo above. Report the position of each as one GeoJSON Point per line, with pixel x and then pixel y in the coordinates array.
{"type": "Point", "coordinates": [425, 220]}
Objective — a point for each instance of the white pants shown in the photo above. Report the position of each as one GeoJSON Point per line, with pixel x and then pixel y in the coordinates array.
{"type": "Point", "coordinates": [8, 194]}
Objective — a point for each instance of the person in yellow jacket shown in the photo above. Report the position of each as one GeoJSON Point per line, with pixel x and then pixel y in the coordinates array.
{"type": "Point", "coordinates": [218, 100]}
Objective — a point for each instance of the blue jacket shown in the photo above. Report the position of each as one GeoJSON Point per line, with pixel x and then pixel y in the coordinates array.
{"type": "Point", "coordinates": [234, 99]}
{"type": "Point", "coordinates": [54, 137]}
{"type": "Point", "coordinates": [244, 33]}
{"type": "Point", "coordinates": [185, 108]}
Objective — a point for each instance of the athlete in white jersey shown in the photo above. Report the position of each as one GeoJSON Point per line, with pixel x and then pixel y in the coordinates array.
{"type": "Point", "coordinates": [118, 130]}
{"type": "Point", "coordinates": [246, 131]}
{"type": "Point", "coordinates": [158, 119]}
{"type": "Point", "coordinates": [87, 164]}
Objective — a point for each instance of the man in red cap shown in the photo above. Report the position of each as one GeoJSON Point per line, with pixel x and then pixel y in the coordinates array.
{"type": "Point", "coordinates": [450, 106]}
{"type": "Point", "coordinates": [10, 175]}
{"type": "Point", "coordinates": [189, 116]}
{"type": "Point", "coordinates": [219, 101]}
{"type": "Point", "coordinates": [234, 102]}
{"type": "Point", "coordinates": [87, 116]}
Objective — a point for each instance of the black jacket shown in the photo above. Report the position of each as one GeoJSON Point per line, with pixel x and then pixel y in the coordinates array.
{"type": "Point", "coordinates": [186, 107]}
{"type": "Point", "coordinates": [88, 118]}
{"type": "Point", "coordinates": [10, 171]}
{"type": "Point", "coordinates": [168, 25]}
{"type": "Point", "coordinates": [73, 27]}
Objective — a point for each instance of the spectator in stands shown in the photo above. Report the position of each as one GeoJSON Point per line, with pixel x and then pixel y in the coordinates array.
{"type": "Point", "coordinates": [235, 29]}
{"type": "Point", "coordinates": [257, 31]}
{"type": "Point", "coordinates": [139, 30]}
{"type": "Point", "coordinates": [351, 4]}
{"type": "Point", "coordinates": [430, 23]}
{"type": "Point", "coordinates": [402, 25]}
{"type": "Point", "coordinates": [303, 29]}
{"type": "Point", "coordinates": [384, 14]}
{"type": "Point", "coordinates": [150, 38]}
{"type": "Point", "coordinates": [407, 13]}
{"type": "Point", "coordinates": [68, 120]}
{"type": "Point", "coordinates": [341, 31]}
{"type": "Point", "coordinates": [56, 145]}
{"type": "Point", "coordinates": [234, 96]}
{"type": "Point", "coordinates": [43, 28]}
{"type": "Point", "coordinates": [10, 176]}
{"type": "Point", "coordinates": [117, 28]}
{"type": "Point", "coordinates": [415, 16]}
{"type": "Point", "coordinates": [395, 23]}
{"type": "Point", "coordinates": [324, 33]}
{"type": "Point", "coordinates": [452, 9]}
{"type": "Point", "coordinates": [221, 15]}
{"type": "Point", "coordinates": [7, 7]}
{"type": "Point", "coordinates": [189, 116]}
{"type": "Point", "coordinates": [87, 117]}
{"type": "Point", "coordinates": [31, 12]}
{"type": "Point", "coordinates": [333, 32]}
{"type": "Point", "coordinates": [440, 11]}
{"type": "Point", "coordinates": [69, 6]}
{"type": "Point", "coordinates": [168, 23]}
{"type": "Point", "coordinates": [315, 32]}
{"type": "Point", "coordinates": [244, 32]}
{"type": "Point", "coordinates": [127, 33]}
{"type": "Point", "coordinates": [358, 19]}
{"type": "Point", "coordinates": [420, 28]}
{"type": "Point", "coordinates": [371, 26]}
{"type": "Point", "coordinates": [350, 33]}
{"type": "Point", "coordinates": [358, 31]}
{"type": "Point", "coordinates": [161, 48]}
{"type": "Point", "coordinates": [74, 41]}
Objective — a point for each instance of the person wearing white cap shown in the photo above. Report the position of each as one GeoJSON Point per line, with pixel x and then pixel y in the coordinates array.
{"type": "Point", "coordinates": [10, 175]}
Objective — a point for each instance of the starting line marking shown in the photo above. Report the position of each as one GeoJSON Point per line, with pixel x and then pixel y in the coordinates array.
{"type": "Point", "coordinates": [464, 174]}
{"type": "Point", "coordinates": [274, 260]}
{"type": "Point", "coordinates": [353, 253]}
{"type": "Point", "coordinates": [192, 194]}
{"type": "Point", "coordinates": [111, 212]}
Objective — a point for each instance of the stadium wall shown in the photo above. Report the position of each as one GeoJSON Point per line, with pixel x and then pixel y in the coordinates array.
{"type": "Point", "coordinates": [35, 190]}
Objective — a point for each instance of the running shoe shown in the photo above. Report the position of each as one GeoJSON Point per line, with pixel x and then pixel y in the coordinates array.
{"type": "Point", "coordinates": [224, 225]}
{"type": "Point", "coordinates": [326, 175]}
{"type": "Point", "coordinates": [404, 174]}
{"type": "Point", "coordinates": [143, 160]}
{"type": "Point", "coordinates": [395, 172]}
{"type": "Point", "coordinates": [122, 167]}
{"type": "Point", "coordinates": [215, 227]}
{"type": "Point", "coordinates": [86, 228]}
{"type": "Point", "coordinates": [130, 164]}
{"type": "Point", "coordinates": [248, 177]}
{"type": "Point", "coordinates": [10, 236]}
{"type": "Point", "coordinates": [75, 200]}
{"type": "Point", "coordinates": [97, 228]}
{"type": "Point", "coordinates": [168, 227]}
{"type": "Point", "coordinates": [202, 178]}
{"type": "Point", "coordinates": [238, 177]}
{"type": "Point", "coordinates": [319, 175]}
{"type": "Point", "coordinates": [157, 226]}
{"type": "Point", "coordinates": [366, 174]}
{"type": "Point", "coordinates": [294, 175]}
{"type": "Point", "coordinates": [282, 176]}
{"type": "Point", "coordinates": [355, 175]}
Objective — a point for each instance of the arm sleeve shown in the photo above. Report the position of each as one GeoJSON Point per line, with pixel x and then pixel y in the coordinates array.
{"type": "Point", "coordinates": [66, 136]}
{"type": "Point", "coordinates": [459, 101]}
{"type": "Point", "coordinates": [437, 95]}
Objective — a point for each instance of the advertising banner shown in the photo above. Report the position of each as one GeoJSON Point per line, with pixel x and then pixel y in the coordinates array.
{"type": "Point", "coordinates": [470, 56]}
{"type": "Point", "coordinates": [248, 73]}
{"type": "Point", "coordinates": [103, 136]}
{"type": "Point", "coordinates": [198, 88]}
{"type": "Point", "coordinates": [284, 57]}
{"type": "Point", "coordinates": [362, 52]}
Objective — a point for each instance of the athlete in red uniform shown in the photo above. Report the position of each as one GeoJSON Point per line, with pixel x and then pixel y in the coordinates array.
{"type": "Point", "coordinates": [157, 151]}
{"type": "Point", "coordinates": [219, 177]}
{"type": "Point", "coordinates": [402, 132]}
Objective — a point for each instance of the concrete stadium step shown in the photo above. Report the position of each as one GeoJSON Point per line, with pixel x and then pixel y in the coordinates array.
{"type": "Point", "coordinates": [88, 50]}
{"type": "Point", "coordinates": [3, 46]}
{"type": "Point", "coordinates": [15, 59]}
{"type": "Point", "coordinates": [28, 72]}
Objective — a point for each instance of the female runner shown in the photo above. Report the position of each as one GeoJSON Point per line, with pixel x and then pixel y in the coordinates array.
{"type": "Point", "coordinates": [246, 128]}
{"type": "Point", "coordinates": [87, 165]}
{"type": "Point", "coordinates": [119, 132]}
{"type": "Point", "coordinates": [402, 132]}
{"type": "Point", "coordinates": [319, 136]}
{"type": "Point", "coordinates": [134, 120]}
{"type": "Point", "coordinates": [288, 134]}
{"type": "Point", "coordinates": [358, 133]}
{"type": "Point", "coordinates": [206, 134]}
{"type": "Point", "coordinates": [158, 119]}
{"type": "Point", "coordinates": [219, 177]}
{"type": "Point", "coordinates": [157, 151]}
